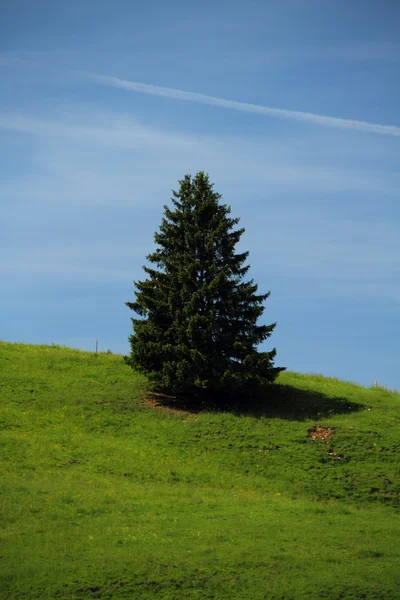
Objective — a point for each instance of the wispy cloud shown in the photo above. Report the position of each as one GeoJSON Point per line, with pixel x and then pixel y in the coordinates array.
{"type": "Point", "coordinates": [81, 162]}
{"type": "Point", "coordinates": [99, 128]}
{"type": "Point", "coordinates": [176, 94]}
{"type": "Point", "coordinates": [87, 157]}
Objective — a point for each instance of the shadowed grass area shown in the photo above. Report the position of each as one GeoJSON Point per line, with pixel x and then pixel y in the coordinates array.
{"type": "Point", "coordinates": [272, 401]}
{"type": "Point", "coordinates": [102, 496]}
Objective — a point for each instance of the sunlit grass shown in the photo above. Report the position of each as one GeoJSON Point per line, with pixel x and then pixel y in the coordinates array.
{"type": "Point", "coordinates": [104, 497]}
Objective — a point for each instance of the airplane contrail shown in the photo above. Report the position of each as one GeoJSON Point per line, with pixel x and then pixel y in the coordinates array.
{"type": "Point", "coordinates": [176, 94]}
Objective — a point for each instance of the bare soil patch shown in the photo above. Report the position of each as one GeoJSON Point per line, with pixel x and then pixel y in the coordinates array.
{"type": "Point", "coordinates": [318, 432]}
{"type": "Point", "coordinates": [169, 404]}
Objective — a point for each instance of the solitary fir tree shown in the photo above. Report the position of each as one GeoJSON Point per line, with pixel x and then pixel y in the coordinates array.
{"type": "Point", "coordinates": [198, 328]}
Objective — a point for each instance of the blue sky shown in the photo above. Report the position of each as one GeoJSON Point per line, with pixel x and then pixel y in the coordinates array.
{"type": "Point", "coordinates": [100, 116]}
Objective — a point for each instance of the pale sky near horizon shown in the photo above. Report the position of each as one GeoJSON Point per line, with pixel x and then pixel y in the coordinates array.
{"type": "Point", "coordinates": [292, 107]}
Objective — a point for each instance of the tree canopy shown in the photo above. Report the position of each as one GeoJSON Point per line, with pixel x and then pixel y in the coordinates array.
{"type": "Point", "coordinates": [197, 314]}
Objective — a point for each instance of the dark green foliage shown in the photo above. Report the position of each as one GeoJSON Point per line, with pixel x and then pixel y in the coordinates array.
{"type": "Point", "coordinates": [199, 329]}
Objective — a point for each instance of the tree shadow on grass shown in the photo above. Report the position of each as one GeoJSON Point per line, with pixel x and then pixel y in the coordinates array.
{"type": "Point", "coordinates": [287, 402]}
{"type": "Point", "coordinates": [271, 401]}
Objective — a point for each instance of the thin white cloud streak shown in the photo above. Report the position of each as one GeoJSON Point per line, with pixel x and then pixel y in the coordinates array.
{"type": "Point", "coordinates": [73, 162]}
{"type": "Point", "coordinates": [155, 90]}
{"type": "Point", "coordinates": [122, 132]}
{"type": "Point", "coordinates": [95, 159]}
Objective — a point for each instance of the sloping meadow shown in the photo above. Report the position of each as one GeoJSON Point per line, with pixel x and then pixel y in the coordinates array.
{"type": "Point", "coordinates": [110, 492]}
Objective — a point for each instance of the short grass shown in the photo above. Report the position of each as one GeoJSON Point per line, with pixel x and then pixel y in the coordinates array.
{"type": "Point", "coordinates": [105, 497]}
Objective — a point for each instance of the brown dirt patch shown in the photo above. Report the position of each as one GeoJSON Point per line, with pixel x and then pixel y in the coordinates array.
{"type": "Point", "coordinates": [318, 432]}
{"type": "Point", "coordinates": [167, 404]}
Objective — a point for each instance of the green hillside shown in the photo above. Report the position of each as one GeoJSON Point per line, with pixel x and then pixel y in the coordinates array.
{"type": "Point", "coordinates": [107, 493]}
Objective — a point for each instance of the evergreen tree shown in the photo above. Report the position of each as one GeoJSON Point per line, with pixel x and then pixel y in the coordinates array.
{"type": "Point", "coordinates": [198, 327]}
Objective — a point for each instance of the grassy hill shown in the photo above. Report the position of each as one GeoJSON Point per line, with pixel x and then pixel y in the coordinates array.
{"type": "Point", "coordinates": [108, 493]}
